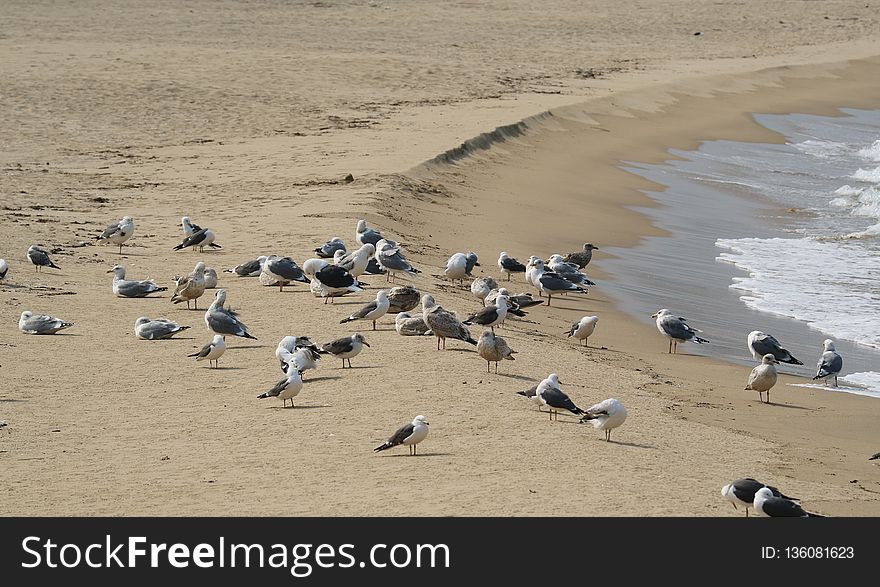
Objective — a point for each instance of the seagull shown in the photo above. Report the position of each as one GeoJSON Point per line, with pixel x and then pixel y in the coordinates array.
{"type": "Point", "coordinates": [129, 288]}
{"type": "Point", "coordinates": [760, 344]}
{"type": "Point", "coordinates": [286, 389]}
{"type": "Point", "coordinates": [763, 377]}
{"type": "Point", "coordinates": [327, 250]}
{"type": "Point", "coordinates": [30, 324]}
{"type": "Point", "coordinates": [519, 301]}
{"type": "Point", "coordinates": [407, 325]}
{"type": "Point", "coordinates": [568, 271]}
{"type": "Point", "coordinates": [373, 267]}
{"type": "Point", "coordinates": [410, 435]}
{"type": "Point", "coordinates": [313, 265]}
{"type": "Point", "coordinates": [188, 227]}
{"type": "Point", "coordinates": [532, 394]}
{"type": "Point", "coordinates": [146, 329]}
{"type": "Point", "coordinates": [4, 267]}
{"type": "Point", "coordinates": [606, 415]}
{"type": "Point", "coordinates": [355, 262]}
{"type": "Point", "coordinates": [490, 316]}
{"type": "Point", "coordinates": [390, 258]}
{"type": "Point", "coordinates": [778, 507]}
{"type": "Point", "coordinates": [223, 321]}
{"type": "Point", "coordinates": [366, 235]}
{"type": "Point", "coordinates": [742, 492]}
{"type": "Point", "coordinates": [191, 287]}
{"type": "Point", "coordinates": [289, 345]}
{"type": "Point", "coordinates": [583, 328]}
{"type": "Point", "coordinates": [40, 258]}
{"type": "Point", "coordinates": [550, 395]}
{"type": "Point", "coordinates": [830, 363]}
{"type": "Point", "coordinates": [581, 258]}
{"type": "Point", "coordinates": [346, 347]}
{"type": "Point", "coordinates": [510, 265]}
{"type": "Point", "coordinates": [403, 299]}
{"type": "Point", "coordinates": [211, 351]}
{"type": "Point", "coordinates": [332, 281]}
{"type": "Point", "coordinates": [472, 261]}
{"type": "Point", "coordinates": [118, 233]}
{"type": "Point", "coordinates": [443, 323]}
{"type": "Point", "coordinates": [550, 283]}
{"type": "Point", "coordinates": [372, 311]}
{"type": "Point", "coordinates": [201, 239]}
{"type": "Point", "coordinates": [456, 267]}
{"type": "Point", "coordinates": [250, 268]}
{"type": "Point", "coordinates": [283, 270]}
{"type": "Point", "coordinates": [303, 359]}
{"type": "Point", "coordinates": [482, 287]}
{"type": "Point", "coordinates": [210, 278]}
{"type": "Point", "coordinates": [494, 349]}
{"type": "Point", "coordinates": [675, 328]}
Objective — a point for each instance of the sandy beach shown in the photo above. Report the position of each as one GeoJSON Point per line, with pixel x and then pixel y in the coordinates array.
{"type": "Point", "coordinates": [465, 127]}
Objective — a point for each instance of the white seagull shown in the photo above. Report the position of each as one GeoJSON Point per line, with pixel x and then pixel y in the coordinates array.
{"type": "Point", "coordinates": [584, 328]}
{"type": "Point", "coordinates": [365, 235]}
{"type": "Point", "coordinates": [606, 415]}
{"type": "Point", "coordinates": [551, 283]}
{"type": "Point", "coordinates": [410, 435]}
{"type": "Point", "coordinates": [211, 351]}
{"type": "Point", "coordinates": [355, 262]}
{"type": "Point", "coordinates": [408, 325]}
{"type": "Point", "coordinates": [286, 389]}
{"type": "Point", "coordinates": [118, 233]}
{"type": "Point", "coordinates": [456, 267]}
{"type": "Point", "coordinates": [4, 267]}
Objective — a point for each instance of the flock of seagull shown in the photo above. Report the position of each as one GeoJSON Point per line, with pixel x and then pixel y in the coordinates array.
{"type": "Point", "coordinates": [336, 271]}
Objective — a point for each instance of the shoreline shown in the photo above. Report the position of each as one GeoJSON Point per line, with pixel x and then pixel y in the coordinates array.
{"type": "Point", "coordinates": [721, 379]}
{"type": "Point", "coordinates": [165, 119]}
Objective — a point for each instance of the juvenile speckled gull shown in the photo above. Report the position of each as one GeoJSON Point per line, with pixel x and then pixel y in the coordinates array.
{"type": "Point", "coordinates": [763, 377]}
{"type": "Point", "coordinates": [191, 287]}
{"type": "Point", "coordinates": [407, 325]}
{"type": "Point", "coordinates": [482, 287]}
{"type": "Point", "coordinates": [409, 435]}
{"type": "Point", "coordinates": [443, 323]}
{"type": "Point", "coordinates": [582, 258]}
{"type": "Point", "coordinates": [493, 349]}
{"type": "Point", "coordinates": [403, 299]}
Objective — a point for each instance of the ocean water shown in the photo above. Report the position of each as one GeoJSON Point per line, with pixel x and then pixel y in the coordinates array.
{"type": "Point", "coordinates": [783, 238]}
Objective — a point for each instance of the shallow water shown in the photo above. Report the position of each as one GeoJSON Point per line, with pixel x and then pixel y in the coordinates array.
{"type": "Point", "coordinates": [783, 238]}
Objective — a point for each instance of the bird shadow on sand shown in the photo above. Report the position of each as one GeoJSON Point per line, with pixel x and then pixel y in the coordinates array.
{"type": "Point", "coordinates": [322, 378]}
{"type": "Point", "coordinates": [513, 376]}
{"type": "Point", "coordinates": [790, 406]}
{"type": "Point", "coordinates": [297, 407]}
{"type": "Point", "coordinates": [632, 444]}
{"type": "Point", "coordinates": [224, 368]}
{"type": "Point", "coordinates": [250, 346]}
{"type": "Point", "coordinates": [417, 455]}
{"type": "Point", "coordinates": [357, 367]}
{"type": "Point", "coordinates": [12, 401]}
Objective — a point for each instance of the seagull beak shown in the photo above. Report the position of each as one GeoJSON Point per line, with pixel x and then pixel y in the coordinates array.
{"type": "Point", "coordinates": [366, 343]}
{"type": "Point", "coordinates": [654, 315]}
{"type": "Point", "coordinates": [109, 271]}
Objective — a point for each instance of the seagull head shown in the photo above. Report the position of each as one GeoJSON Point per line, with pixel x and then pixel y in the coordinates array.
{"type": "Point", "coordinates": [200, 267]}
{"type": "Point", "coordinates": [220, 297]}
{"type": "Point", "coordinates": [360, 337]}
{"type": "Point", "coordinates": [26, 314]}
{"type": "Point", "coordinates": [487, 335]}
{"type": "Point", "coordinates": [420, 420]}
{"type": "Point", "coordinates": [658, 313]}
{"type": "Point", "coordinates": [141, 320]}
{"type": "Point", "coordinates": [381, 295]}
{"type": "Point", "coordinates": [428, 302]}
{"type": "Point", "coordinates": [553, 379]}
{"type": "Point", "coordinates": [828, 344]}
{"type": "Point", "coordinates": [337, 256]}
{"type": "Point", "coordinates": [769, 359]}
{"type": "Point", "coordinates": [119, 270]}
{"type": "Point", "coordinates": [764, 493]}
{"type": "Point", "coordinates": [590, 247]}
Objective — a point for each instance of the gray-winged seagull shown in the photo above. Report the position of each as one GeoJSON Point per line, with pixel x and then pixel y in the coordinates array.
{"type": "Point", "coordinates": [676, 329]}
{"type": "Point", "coordinates": [211, 351]}
{"type": "Point", "coordinates": [157, 329]}
{"type": "Point", "coordinates": [346, 347]}
{"type": "Point", "coordinates": [40, 258]}
{"type": "Point", "coordinates": [760, 344]}
{"type": "Point", "coordinates": [830, 363]}
{"type": "Point", "coordinates": [742, 492]}
{"type": "Point", "coordinates": [118, 233]}
{"type": "Point", "coordinates": [42, 324]}
{"type": "Point", "coordinates": [410, 435]}
{"type": "Point", "coordinates": [130, 288]}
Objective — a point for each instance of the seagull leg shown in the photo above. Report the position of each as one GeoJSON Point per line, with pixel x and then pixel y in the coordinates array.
{"type": "Point", "coordinates": [120, 249]}
{"type": "Point", "coordinates": [496, 367]}
{"type": "Point", "coordinates": [488, 363]}
{"type": "Point", "coordinates": [747, 511]}
{"type": "Point", "coordinates": [374, 325]}
{"type": "Point", "coordinates": [549, 297]}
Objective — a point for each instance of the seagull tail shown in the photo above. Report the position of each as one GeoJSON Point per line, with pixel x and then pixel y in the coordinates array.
{"type": "Point", "coordinates": [811, 515]}
{"type": "Point", "coordinates": [66, 325]}
{"type": "Point", "coordinates": [470, 340]}
{"type": "Point", "coordinates": [196, 354]}
{"type": "Point", "coordinates": [53, 265]}
{"type": "Point", "coordinates": [215, 246]}
{"type": "Point", "coordinates": [349, 319]}
{"type": "Point", "coordinates": [382, 447]}
{"type": "Point", "coordinates": [245, 335]}
{"type": "Point", "coordinates": [700, 340]}
{"type": "Point", "coordinates": [161, 289]}
{"type": "Point", "coordinates": [792, 361]}
{"type": "Point", "coordinates": [178, 247]}
{"type": "Point", "coordinates": [265, 395]}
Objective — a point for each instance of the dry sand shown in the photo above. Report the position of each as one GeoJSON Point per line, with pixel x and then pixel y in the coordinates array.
{"type": "Point", "coordinates": [247, 117]}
